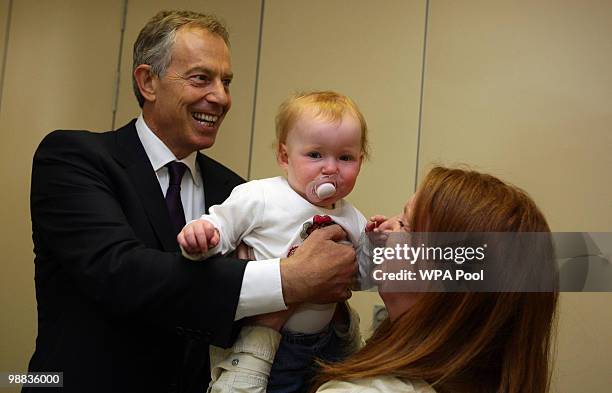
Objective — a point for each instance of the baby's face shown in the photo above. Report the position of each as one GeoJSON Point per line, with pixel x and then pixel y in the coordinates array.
{"type": "Point", "coordinates": [317, 147]}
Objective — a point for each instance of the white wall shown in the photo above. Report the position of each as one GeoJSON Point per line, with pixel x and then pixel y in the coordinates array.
{"type": "Point", "coordinates": [517, 88]}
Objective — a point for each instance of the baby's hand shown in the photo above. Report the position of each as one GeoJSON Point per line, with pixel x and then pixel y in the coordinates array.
{"type": "Point", "coordinates": [383, 224]}
{"type": "Point", "coordinates": [374, 222]}
{"type": "Point", "coordinates": [198, 236]}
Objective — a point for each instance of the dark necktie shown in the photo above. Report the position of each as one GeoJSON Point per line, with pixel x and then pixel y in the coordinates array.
{"type": "Point", "coordinates": [176, 170]}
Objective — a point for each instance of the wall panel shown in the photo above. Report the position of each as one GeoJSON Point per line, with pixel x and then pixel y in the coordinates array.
{"type": "Point", "coordinates": [242, 18]}
{"type": "Point", "coordinates": [60, 73]}
{"type": "Point", "coordinates": [522, 90]}
{"type": "Point", "coordinates": [4, 23]}
{"type": "Point", "coordinates": [373, 54]}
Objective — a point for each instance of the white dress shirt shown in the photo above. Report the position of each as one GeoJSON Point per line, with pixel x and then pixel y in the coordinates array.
{"type": "Point", "coordinates": [261, 290]}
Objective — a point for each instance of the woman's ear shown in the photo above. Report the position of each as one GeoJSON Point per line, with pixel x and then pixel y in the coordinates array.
{"type": "Point", "coordinates": [145, 81]}
{"type": "Point", "coordinates": [282, 158]}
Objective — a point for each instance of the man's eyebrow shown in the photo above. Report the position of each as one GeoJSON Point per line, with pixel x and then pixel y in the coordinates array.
{"type": "Point", "coordinates": [199, 69]}
{"type": "Point", "coordinates": [208, 71]}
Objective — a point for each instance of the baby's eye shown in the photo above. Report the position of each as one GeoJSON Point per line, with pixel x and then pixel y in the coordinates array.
{"type": "Point", "coordinates": [314, 154]}
{"type": "Point", "coordinates": [346, 157]}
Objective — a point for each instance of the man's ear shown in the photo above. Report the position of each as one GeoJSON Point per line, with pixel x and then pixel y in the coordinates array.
{"type": "Point", "coordinates": [145, 81]}
{"type": "Point", "coordinates": [282, 157]}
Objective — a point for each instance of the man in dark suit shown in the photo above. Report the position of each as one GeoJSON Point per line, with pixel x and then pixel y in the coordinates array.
{"type": "Point", "coordinates": [119, 309]}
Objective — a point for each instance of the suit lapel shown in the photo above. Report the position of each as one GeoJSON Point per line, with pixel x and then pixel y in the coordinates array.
{"type": "Point", "coordinates": [130, 153]}
{"type": "Point", "coordinates": [216, 188]}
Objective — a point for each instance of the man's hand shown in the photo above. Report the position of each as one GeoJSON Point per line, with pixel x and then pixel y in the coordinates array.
{"type": "Point", "coordinates": [321, 270]}
{"type": "Point", "coordinates": [274, 320]}
{"type": "Point", "coordinates": [245, 252]}
{"type": "Point", "coordinates": [198, 236]}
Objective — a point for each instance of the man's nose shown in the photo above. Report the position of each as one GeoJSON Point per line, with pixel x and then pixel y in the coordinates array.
{"type": "Point", "coordinates": [218, 93]}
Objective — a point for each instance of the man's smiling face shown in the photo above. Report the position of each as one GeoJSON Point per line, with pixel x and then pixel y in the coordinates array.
{"type": "Point", "coordinates": [192, 97]}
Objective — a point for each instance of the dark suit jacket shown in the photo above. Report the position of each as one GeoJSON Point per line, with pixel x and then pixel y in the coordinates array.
{"type": "Point", "coordinates": [119, 310]}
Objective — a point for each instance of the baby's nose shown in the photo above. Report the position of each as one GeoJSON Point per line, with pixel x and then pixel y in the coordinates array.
{"type": "Point", "coordinates": [330, 166]}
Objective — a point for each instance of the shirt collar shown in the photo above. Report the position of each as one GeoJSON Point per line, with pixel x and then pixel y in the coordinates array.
{"type": "Point", "coordinates": [159, 154]}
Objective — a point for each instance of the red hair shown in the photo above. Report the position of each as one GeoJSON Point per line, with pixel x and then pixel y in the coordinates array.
{"type": "Point", "coordinates": [464, 342]}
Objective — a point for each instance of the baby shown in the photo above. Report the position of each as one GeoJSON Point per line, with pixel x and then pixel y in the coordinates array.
{"type": "Point", "coordinates": [321, 143]}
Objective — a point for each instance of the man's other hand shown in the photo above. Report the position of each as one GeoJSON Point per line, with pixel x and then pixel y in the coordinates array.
{"type": "Point", "coordinates": [321, 270]}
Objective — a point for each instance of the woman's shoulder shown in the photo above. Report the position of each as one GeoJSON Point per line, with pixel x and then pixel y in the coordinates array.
{"type": "Point", "coordinates": [381, 384]}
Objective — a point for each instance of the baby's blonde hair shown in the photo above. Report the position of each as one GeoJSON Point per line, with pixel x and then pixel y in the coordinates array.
{"type": "Point", "coordinates": [327, 105]}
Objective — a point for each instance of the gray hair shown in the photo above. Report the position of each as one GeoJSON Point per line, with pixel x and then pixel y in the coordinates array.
{"type": "Point", "coordinates": [154, 43]}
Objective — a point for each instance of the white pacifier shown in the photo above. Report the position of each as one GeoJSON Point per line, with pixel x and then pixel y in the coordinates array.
{"type": "Point", "coordinates": [321, 188]}
{"type": "Point", "coordinates": [325, 190]}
